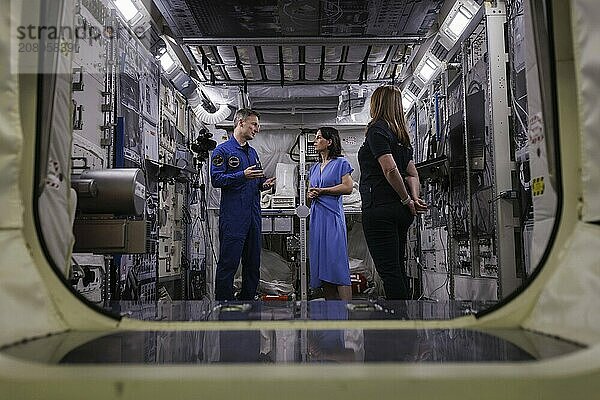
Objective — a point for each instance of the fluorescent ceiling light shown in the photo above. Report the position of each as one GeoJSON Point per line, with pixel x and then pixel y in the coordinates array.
{"type": "Point", "coordinates": [427, 70]}
{"type": "Point", "coordinates": [166, 62]}
{"type": "Point", "coordinates": [460, 20]}
{"type": "Point", "coordinates": [127, 9]}
{"type": "Point", "coordinates": [457, 21]}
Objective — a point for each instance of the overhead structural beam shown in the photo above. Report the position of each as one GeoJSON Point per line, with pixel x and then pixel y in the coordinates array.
{"type": "Point", "coordinates": [261, 62]}
{"type": "Point", "coordinates": [281, 67]}
{"type": "Point", "coordinates": [388, 61]}
{"type": "Point", "coordinates": [302, 64]}
{"type": "Point", "coordinates": [299, 41]}
{"type": "Point", "coordinates": [217, 57]}
{"type": "Point", "coordinates": [363, 68]}
{"type": "Point", "coordinates": [341, 68]}
{"type": "Point", "coordinates": [322, 66]}
{"type": "Point", "coordinates": [238, 63]}
{"type": "Point", "coordinates": [193, 63]}
{"type": "Point", "coordinates": [292, 110]}
{"type": "Point", "coordinates": [297, 83]}
{"type": "Point", "coordinates": [301, 59]}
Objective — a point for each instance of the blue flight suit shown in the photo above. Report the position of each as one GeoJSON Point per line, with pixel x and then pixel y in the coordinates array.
{"type": "Point", "coordinates": [240, 218]}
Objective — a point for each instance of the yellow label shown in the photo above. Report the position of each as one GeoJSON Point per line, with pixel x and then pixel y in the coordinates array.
{"type": "Point", "coordinates": [538, 186]}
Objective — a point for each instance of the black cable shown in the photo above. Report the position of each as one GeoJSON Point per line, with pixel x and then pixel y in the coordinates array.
{"type": "Point", "coordinates": [205, 228]}
{"type": "Point", "coordinates": [195, 222]}
{"type": "Point", "coordinates": [291, 152]}
{"type": "Point", "coordinates": [206, 232]}
{"type": "Point", "coordinates": [187, 216]}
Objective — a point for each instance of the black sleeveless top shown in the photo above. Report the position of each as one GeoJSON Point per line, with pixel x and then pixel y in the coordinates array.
{"type": "Point", "coordinates": [374, 188]}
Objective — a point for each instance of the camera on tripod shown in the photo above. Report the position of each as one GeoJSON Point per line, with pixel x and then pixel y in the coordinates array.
{"type": "Point", "coordinates": [203, 144]}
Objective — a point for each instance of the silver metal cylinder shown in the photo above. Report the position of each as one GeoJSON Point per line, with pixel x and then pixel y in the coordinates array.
{"type": "Point", "coordinates": [84, 187]}
{"type": "Point", "coordinates": [119, 191]}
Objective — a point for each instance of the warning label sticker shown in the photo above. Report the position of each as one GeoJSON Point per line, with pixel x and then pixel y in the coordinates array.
{"type": "Point", "coordinates": [537, 186]}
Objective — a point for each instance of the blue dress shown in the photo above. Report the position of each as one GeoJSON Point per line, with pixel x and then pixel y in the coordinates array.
{"type": "Point", "coordinates": [328, 246]}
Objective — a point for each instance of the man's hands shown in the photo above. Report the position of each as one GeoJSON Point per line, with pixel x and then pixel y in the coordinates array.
{"type": "Point", "coordinates": [269, 183]}
{"type": "Point", "coordinates": [252, 172]}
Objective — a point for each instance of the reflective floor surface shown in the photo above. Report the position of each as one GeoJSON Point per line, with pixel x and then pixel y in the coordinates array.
{"type": "Point", "coordinates": [292, 345]}
{"type": "Point", "coordinates": [202, 310]}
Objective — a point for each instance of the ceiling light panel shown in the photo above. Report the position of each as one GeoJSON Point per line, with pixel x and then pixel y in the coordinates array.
{"type": "Point", "coordinates": [407, 99]}
{"type": "Point", "coordinates": [427, 68]}
{"type": "Point", "coordinates": [166, 62]}
{"type": "Point", "coordinates": [127, 8]}
{"type": "Point", "coordinates": [458, 19]}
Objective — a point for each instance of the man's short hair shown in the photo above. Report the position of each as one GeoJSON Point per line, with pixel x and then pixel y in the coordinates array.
{"type": "Point", "coordinates": [242, 114]}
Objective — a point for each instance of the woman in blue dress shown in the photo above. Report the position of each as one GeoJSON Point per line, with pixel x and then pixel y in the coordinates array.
{"type": "Point", "coordinates": [328, 248]}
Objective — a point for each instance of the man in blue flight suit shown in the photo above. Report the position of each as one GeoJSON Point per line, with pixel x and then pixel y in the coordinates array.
{"type": "Point", "coordinates": [236, 169]}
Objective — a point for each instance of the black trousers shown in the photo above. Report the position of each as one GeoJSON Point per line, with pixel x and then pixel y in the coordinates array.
{"type": "Point", "coordinates": [386, 227]}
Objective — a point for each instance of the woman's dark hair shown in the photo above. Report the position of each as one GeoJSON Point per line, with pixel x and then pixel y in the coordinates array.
{"type": "Point", "coordinates": [329, 133]}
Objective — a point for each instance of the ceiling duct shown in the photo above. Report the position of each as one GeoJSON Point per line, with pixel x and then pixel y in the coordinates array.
{"type": "Point", "coordinates": [211, 105]}
{"type": "Point", "coordinates": [207, 103]}
{"type": "Point", "coordinates": [209, 112]}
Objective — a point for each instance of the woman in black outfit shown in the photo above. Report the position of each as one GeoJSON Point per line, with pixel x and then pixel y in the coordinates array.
{"type": "Point", "coordinates": [389, 188]}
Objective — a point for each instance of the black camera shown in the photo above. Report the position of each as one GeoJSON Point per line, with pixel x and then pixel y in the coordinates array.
{"type": "Point", "coordinates": [203, 144]}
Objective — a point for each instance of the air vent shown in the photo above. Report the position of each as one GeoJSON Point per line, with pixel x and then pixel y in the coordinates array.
{"type": "Point", "coordinates": [439, 51]}
{"type": "Point", "coordinates": [414, 88]}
